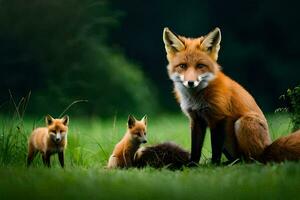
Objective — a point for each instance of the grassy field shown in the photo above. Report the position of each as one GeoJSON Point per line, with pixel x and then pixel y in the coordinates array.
{"type": "Point", "coordinates": [90, 143]}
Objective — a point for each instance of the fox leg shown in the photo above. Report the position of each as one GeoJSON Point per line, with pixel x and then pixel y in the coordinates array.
{"type": "Point", "coordinates": [198, 129]}
{"type": "Point", "coordinates": [31, 154]}
{"type": "Point", "coordinates": [61, 159]}
{"type": "Point", "coordinates": [252, 136]}
{"type": "Point", "coordinates": [46, 159]}
{"type": "Point", "coordinates": [217, 142]}
{"type": "Point", "coordinates": [112, 162]}
{"type": "Point", "coordinates": [230, 149]}
{"type": "Point", "coordinates": [127, 159]}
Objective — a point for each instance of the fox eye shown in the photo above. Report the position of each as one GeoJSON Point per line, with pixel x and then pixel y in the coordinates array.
{"type": "Point", "coordinates": [182, 66]}
{"type": "Point", "coordinates": [145, 133]}
{"type": "Point", "coordinates": [201, 65]}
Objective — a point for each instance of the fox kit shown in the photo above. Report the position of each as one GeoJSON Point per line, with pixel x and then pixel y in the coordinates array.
{"type": "Point", "coordinates": [211, 99]}
{"type": "Point", "coordinates": [123, 153]}
{"type": "Point", "coordinates": [167, 154]}
{"type": "Point", "coordinates": [49, 140]}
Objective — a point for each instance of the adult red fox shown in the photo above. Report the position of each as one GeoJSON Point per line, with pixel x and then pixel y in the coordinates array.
{"type": "Point", "coordinates": [211, 99]}
{"type": "Point", "coordinates": [49, 140]}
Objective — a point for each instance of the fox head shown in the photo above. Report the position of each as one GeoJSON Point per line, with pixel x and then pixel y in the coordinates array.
{"type": "Point", "coordinates": [57, 128]}
{"type": "Point", "coordinates": [192, 62]}
{"type": "Point", "coordinates": [137, 129]}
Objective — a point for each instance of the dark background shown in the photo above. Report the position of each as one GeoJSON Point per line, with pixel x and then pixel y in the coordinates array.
{"type": "Point", "coordinates": [111, 52]}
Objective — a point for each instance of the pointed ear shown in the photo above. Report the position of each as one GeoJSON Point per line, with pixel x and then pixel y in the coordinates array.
{"type": "Point", "coordinates": [131, 121]}
{"type": "Point", "coordinates": [65, 120]}
{"type": "Point", "coordinates": [49, 120]}
{"type": "Point", "coordinates": [172, 42]}
{"type": "Point", "coordinates": [145, 119]}
{"type": "Point", "coordinates": [211, 43]}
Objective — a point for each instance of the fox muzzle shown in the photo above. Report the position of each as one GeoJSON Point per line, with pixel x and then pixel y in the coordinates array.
{"type": "Point", "coordinates": [58, 137]}
{"type": "Point", "coordinates": [143, 140]}
{"type": "Point", "coordinates": [191, 84]}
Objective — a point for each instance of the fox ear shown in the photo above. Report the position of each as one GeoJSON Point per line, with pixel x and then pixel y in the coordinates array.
{"type": "Point", "coordinates": [65, 120]}
{"type": "Point", "coordinates": [145, 119]}
{"type": "Point", "coordinates": [211, 43]}
{"type": "Point", "coordinates": [131, 121]}
{"type": "Point", "coordinates": [49, 120]}
{"type": "Point", "coordinates": [172, 42]}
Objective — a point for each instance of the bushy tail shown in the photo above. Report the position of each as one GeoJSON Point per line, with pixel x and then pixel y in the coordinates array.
{"type": "Point", "coordinates": [167, 154]}
{"type": "Point", "coordinates": [284, 148]}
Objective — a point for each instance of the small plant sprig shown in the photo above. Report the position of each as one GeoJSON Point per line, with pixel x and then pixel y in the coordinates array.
{"type": "Point", "coordinates": [292, 105]}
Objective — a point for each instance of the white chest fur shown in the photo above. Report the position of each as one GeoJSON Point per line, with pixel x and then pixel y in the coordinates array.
{"type": "Point", "coordinates": [190, 99]}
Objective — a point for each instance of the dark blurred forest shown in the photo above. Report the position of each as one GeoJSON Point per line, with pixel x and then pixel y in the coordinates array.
{"type": "Point", "coordinates": [111, 52]}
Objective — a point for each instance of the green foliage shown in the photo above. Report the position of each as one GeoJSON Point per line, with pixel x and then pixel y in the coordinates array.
{"type": "Point", "coordinates": [292, 99]}
{"type": "Point", "coordinates": [12, 143]}
{"type": "Point", "coordinates": [59, 50]}
{"type": "Point", "coordinates": [13, 135]}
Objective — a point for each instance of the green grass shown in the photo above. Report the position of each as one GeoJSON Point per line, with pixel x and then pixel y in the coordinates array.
{"type": "Point", "coordinates": [90, 141]}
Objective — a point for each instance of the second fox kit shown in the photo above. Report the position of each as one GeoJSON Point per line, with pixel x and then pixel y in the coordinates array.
{"type": "Point", "coordinates": [49, 140]}
{"type": "Point", "coordinates": [124, 151]}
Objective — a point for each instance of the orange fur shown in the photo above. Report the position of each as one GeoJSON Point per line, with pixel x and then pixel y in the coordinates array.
{"type": "Point", "coordinates": [284, 148]}
{"type": "Point", "coordinates": [49, 140]}
{"type": "Point", "coordinates": [237, 124]}
{"type": "Point", "coordinates": [124, 151]}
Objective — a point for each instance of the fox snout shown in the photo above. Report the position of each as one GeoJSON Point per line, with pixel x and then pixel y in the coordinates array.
{"type": "Point", "coordinates": [57, 137]}
{"type": "Point", "coordinates": [143, 140]}
{"type": "Point", "coordinates": [200, 82]}
{"type": "Point", "coordinates": [191, 84]}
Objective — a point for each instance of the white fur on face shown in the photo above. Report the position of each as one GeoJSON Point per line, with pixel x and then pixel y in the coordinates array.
{"type": "Point", "coordinates": [194, 84]}
{"type": "Point", "coordinates": [188, 95]}
{"type": "Point", "coordinates": [176, 77]}
{"type": "Point", "coordinates": [201, 83]}
{"type": "Point", "coordinates": [58, 137]}
{"type": "Point", "coordinates": [181, 76]}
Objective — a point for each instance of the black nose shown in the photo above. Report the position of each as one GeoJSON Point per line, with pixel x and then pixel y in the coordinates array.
{"type": "Point", "coordinates": [190, 83]}
{"type": "Point", "coordinates": [144, 141]}
{"type": "Point", "coordinates": [57, 139]}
